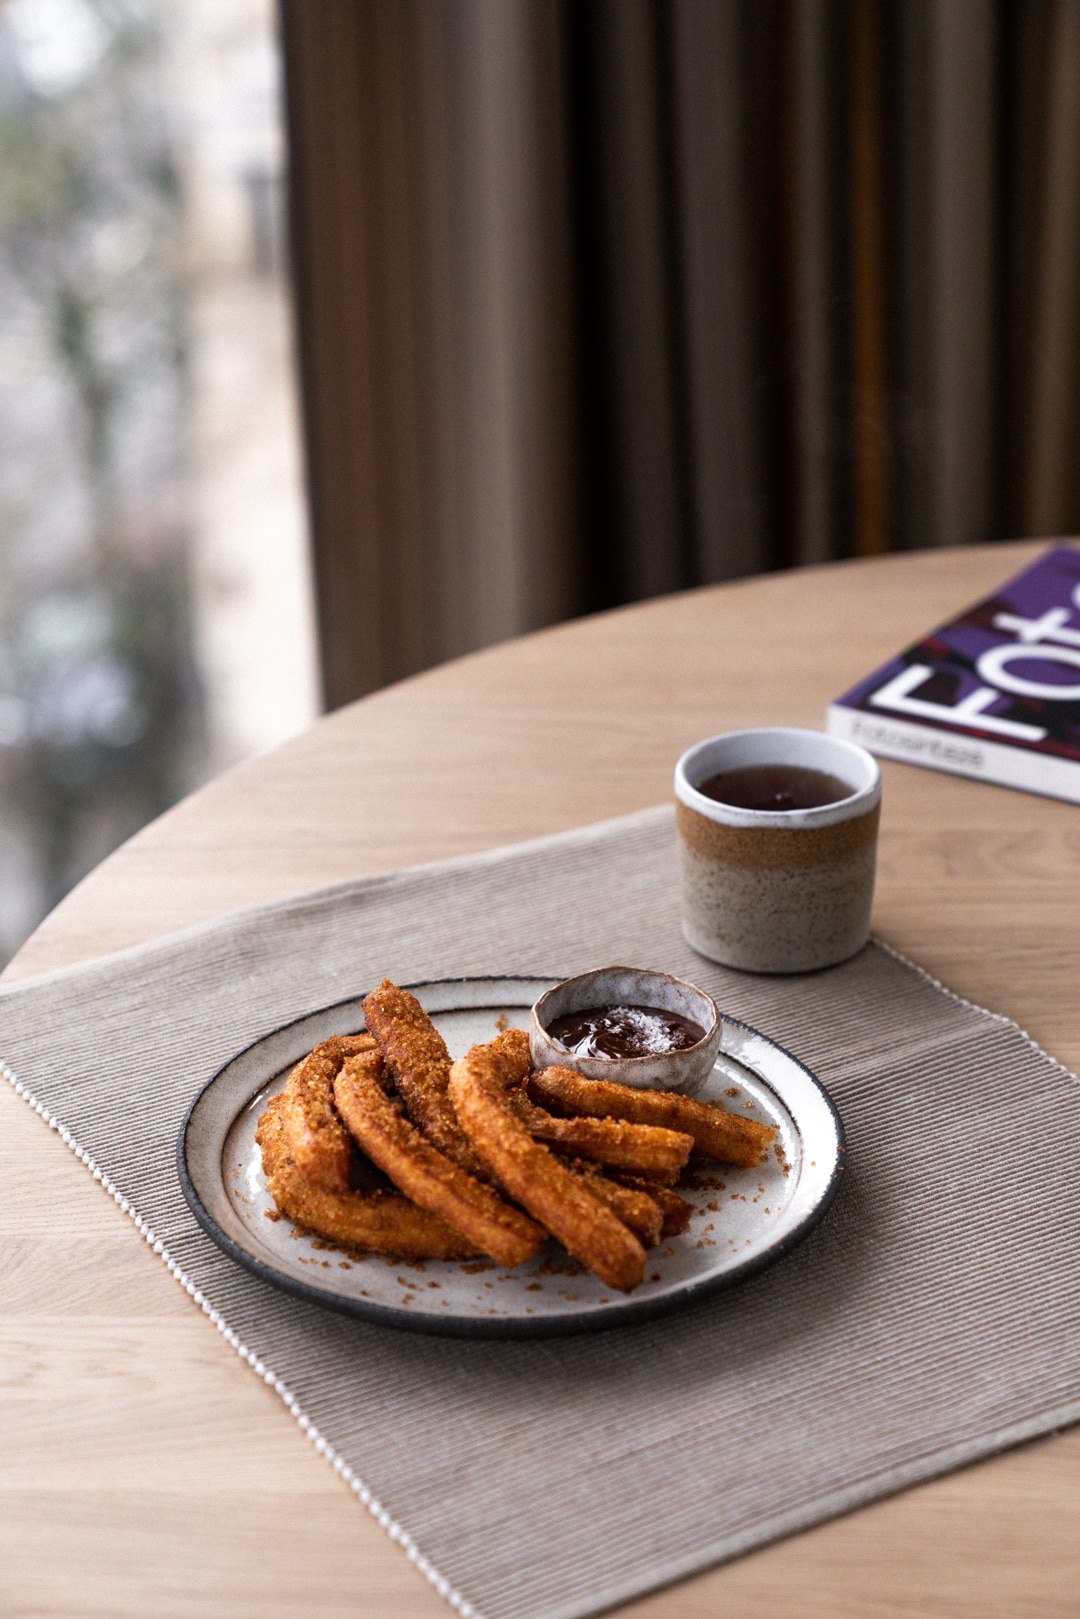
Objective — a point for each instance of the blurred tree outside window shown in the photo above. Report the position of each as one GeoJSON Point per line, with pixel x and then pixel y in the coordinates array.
{"type": "Point", "coordinates": [155, 614]}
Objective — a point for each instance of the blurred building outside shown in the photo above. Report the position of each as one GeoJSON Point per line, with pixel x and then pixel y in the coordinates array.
{"type": "Point", "coordinates": [155, 603]}
{"type": "Point", "coordinates": [254, 618]}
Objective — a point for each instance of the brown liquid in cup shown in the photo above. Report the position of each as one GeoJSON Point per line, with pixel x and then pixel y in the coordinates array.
{"type": "Point", "coordinates": [775, 787]}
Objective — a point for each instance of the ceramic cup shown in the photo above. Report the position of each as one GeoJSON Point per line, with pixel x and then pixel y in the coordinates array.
{"type": "Point", "coordinates": [777, 890]}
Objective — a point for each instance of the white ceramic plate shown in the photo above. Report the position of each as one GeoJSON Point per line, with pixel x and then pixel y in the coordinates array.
{"type": "Point", "coordinates": [745, 1218]}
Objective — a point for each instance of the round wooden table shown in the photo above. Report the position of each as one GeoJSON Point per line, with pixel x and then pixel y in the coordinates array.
{"type": "Point", "coordinates": [143, 1469]}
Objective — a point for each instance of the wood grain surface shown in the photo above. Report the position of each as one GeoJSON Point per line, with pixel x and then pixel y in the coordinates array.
{"type": "Point", "coordinates": [143, 1469]}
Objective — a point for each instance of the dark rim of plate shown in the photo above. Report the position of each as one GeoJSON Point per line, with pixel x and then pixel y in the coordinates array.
{"type": "Point", "coordinates": [605, 1318]}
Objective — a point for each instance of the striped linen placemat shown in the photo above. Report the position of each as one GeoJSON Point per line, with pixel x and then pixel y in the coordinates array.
{"type": "Point", "coordinates": [933, 1317]}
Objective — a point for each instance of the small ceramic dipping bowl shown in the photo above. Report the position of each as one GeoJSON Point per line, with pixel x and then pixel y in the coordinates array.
{"type": "Point", "coordinates": [685, 1070]}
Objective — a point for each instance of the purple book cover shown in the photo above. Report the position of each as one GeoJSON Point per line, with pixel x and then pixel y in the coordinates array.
{"type": "Point", "coordinates": [993, 693]}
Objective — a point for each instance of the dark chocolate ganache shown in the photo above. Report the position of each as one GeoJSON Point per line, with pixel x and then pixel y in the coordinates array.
{"type": "Point", "coordinates": [624, 1031]}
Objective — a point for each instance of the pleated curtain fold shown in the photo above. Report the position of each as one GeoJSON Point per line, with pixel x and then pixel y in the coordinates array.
{"type": "Point", "coordinates": [599, 299]}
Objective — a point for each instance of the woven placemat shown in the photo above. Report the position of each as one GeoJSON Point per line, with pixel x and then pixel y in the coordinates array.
{"type": "Point", "coordinates": [932, 1318]}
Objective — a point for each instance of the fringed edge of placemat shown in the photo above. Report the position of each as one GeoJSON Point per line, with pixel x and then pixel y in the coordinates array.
{"type": "Point", "coordinates": [381, 1516]}
{"type": "Point", "coordinates": [973, 1006]}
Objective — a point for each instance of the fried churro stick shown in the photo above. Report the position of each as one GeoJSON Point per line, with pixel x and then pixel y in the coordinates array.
{"type": "Point", "coordinates": [636, 1207]}
{"type": "Point", "coordinates": [639, 1149]}
{"type": "Point", "coordinates": [423, 1173]}
{"type": "Point", "coordinates": [636, 1203]}
{"type": "Point", "coordinates": [319, 1143]}
{"type": "Point", "coordinates": [676, 1212]}
{"type": "Point", "coordinates": [729, 1137]}
{"type": "Point", "coordinates": [529, 1173]}
{"type": "Point", "coordinates": [416, 1056]}
{"type": "Point", "coordinates": [380, 1222]}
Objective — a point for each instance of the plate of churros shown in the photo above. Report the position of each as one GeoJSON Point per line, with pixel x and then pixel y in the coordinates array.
{"type": "Point", "coordinates": [398, 1157]}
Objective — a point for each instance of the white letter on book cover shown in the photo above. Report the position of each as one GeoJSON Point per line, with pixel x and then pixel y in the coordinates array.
{"type": "Point", "coordinates": [970, 711]}
{"type": "Point", "coordinates": [992, 666]}
{"type": "Point", "coordinates": [1051, 627]}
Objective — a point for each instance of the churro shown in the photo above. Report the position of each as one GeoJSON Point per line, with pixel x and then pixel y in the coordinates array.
{"type": "Point", "coordinates": [319, 1143]}
{"type": "Point", "coordinates": [381, 1222]}
{"type": "Point", "coordinates": [423, 1173]}
{"type": "Point", "coordinates": [676, 1213]}
{"type": "Point", "coordinates": [531, 1174]}
{"type": "Point", "coordinates": [729, 1137]}
{"type": "Point", "coordinates": [637, 1207]}
{"type": "Point", "coordinates": [416, 1056]}
{"type": "Point", "coordinates": [647, 1150]}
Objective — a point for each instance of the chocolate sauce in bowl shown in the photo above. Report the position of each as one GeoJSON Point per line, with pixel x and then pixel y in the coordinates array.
{"type": "Point", "coordinates": [624, 1031]}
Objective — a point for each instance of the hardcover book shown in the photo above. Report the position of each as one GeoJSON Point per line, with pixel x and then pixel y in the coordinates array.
{"type": "Point", "coordinates": [994, 693]}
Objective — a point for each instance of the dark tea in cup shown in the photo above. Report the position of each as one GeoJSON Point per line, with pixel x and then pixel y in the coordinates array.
{"type": "Point", "coordinates": [775, 787]}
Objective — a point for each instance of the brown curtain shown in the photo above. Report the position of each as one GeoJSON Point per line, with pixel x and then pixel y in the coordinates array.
{"type": "Point", "coordinates": [604, 298]}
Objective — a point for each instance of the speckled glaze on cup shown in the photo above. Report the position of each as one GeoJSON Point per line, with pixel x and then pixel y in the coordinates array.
{"type": "Point", "coordinates": [777, 891]}
{"type": "Point", "coordinates": [685, 1070]}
